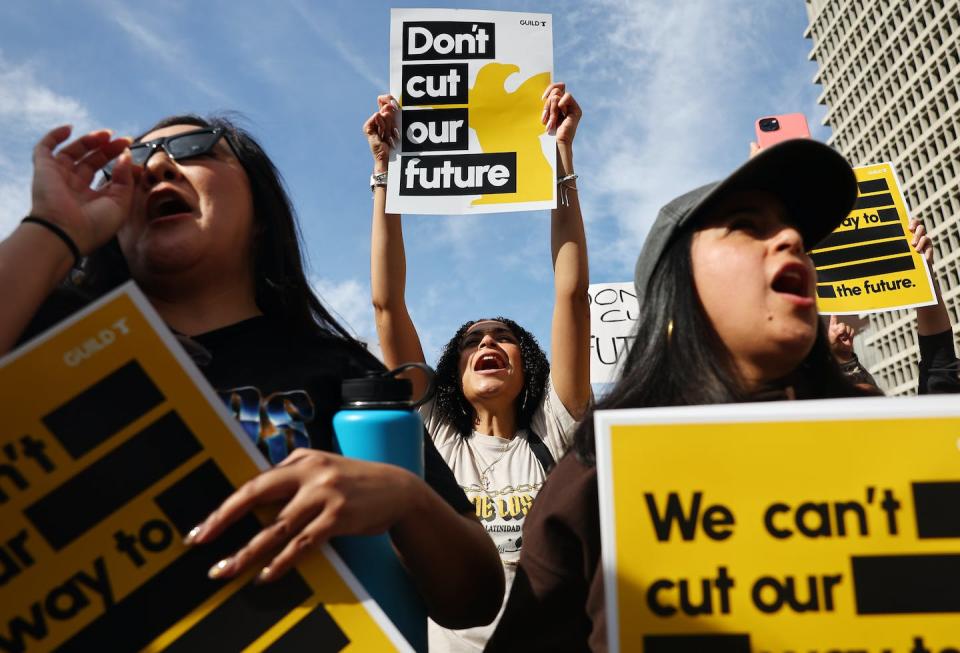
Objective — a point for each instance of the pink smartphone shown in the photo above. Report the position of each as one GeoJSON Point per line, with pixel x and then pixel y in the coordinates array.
{"type": "Point", "coordinates": [774, 129]}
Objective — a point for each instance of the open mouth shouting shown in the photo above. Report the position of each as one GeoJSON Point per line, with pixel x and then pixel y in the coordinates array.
{"type": "Point", "coordinates": [794, 282]}
{"type": "Point", "coordinates": [490, 362]}
{"type": "Point", "coordinates": [166, 204]}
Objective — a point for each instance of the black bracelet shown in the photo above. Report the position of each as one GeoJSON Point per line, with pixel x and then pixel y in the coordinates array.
{"type": "Point", "coordinates": [67, 240]}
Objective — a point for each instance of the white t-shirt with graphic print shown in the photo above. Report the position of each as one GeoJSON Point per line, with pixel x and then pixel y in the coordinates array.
{"type": "Point", "coordinates": [501, 477]}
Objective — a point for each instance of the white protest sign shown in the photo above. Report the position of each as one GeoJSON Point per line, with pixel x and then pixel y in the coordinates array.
{"type": "Point", "coordinates": [470, 85]}
{"type": "Point", "coordinates": [613, 318]}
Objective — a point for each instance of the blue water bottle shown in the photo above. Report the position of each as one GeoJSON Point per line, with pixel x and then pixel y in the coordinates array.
{"type": "Point", "coordinates": [380, 423]}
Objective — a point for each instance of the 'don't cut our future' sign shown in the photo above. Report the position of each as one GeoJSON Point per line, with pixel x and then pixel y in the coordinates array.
{"type": "Point", "coordinates": [470, 86]}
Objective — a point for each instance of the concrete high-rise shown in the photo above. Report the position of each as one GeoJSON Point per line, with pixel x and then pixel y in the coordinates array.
{"type": "Point", "coordinates": [890, 72]}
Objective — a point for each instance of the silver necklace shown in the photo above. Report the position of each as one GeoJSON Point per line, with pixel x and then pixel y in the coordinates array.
{"type": "Point", "coordinates": [484, 479]}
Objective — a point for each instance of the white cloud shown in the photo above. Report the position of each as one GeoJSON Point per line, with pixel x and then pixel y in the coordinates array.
{"type": "Point", "coordinates": [349, 301]}
{"type": "Point", "coordinates": [665, 88]}
{"type": "Point", "coordinates": [324, 25]}
{"type": "Point", "coordinates": [28, 108]}
{"type": "Point", "coordinates": [158, 40]}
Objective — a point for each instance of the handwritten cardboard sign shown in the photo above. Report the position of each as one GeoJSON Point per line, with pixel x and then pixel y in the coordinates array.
{"type": "Point", "coordinates": [782, 527]}
{"type": "Point", "coordinates": [613, 318]}
{"type": "Point", "coordinates": [470, 86]}
{"type": "Point", "coordinates": [868, 264]}
{"type": "Point", "coordinates": [112, 447]}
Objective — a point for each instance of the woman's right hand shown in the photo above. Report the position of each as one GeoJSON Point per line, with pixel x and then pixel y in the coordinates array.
{"type": "Point", "coordinates": [61, 185]}
{"type": "Point", "coordinates": [381, 130]}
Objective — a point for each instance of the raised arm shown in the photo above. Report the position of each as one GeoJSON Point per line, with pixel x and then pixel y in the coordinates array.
{"type": "Point", "coordinates": [935, 319]}
{"type": "Point", "coordinates": [570, 333]}
{"type": "Point", "coordinates": [938, 358]}
{"type": "Point", "coordinates": [34, 258]}
{"type": "Point", "coordinates": [398, 336]}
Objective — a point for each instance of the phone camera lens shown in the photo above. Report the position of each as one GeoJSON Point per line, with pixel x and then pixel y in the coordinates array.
{"type": "Point", "coordinates": [769, 124]}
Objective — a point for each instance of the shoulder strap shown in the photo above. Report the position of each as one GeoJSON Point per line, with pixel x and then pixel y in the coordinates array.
{"type": "Point", "coordinates": [540, 450]}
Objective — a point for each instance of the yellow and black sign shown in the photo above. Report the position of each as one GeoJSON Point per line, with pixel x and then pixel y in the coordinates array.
{"type": "Point", "coordinates": [112, 448]}
{"type": "Point", "coordinates": [788, 527]}
{"type": "Point", "coordinates": [868, 264]}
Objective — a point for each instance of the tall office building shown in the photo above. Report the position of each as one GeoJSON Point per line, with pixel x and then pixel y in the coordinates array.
{"type": "Point", "coordinates": [890, 71]}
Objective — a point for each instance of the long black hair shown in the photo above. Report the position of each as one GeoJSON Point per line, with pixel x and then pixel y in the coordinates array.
{"type": "Point", "coordinates": [678, 359]}
{"type": "Point", "coordinates": [281, 285]}
{"type": "Point", "coordinates": [453, 407]}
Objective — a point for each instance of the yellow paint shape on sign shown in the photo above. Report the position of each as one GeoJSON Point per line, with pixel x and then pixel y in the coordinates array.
{"type": "Point", "coordinates": [868, 264]}
{"type": "Point", "coordinates": [113, 446]}
{"type": "Point", "coordinates": [469, 137]}
{"type": "Point", "coordinates": [809, 526]}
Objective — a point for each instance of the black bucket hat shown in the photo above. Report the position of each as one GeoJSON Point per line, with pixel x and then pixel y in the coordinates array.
{"type": "Point", "coordinates": [815, 183]}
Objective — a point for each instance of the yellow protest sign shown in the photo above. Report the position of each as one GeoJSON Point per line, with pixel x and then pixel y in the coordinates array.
{"type": "Point", "coordinates": [868, 264]}
{"type": "Point", "coordinates": [785, 527]}
{"type": "Point", "coordinates": [112, 447]}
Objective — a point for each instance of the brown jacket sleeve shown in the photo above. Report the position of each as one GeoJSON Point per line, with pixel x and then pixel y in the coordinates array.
{"type": "Point", "coordinates": [556, 603]}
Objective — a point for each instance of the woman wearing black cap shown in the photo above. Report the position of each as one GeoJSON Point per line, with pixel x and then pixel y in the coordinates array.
{"type": "Point", "coordinates": [729, 314]}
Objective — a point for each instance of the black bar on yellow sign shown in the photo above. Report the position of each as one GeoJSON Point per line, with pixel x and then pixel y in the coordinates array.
{"type": "Point", "coordinates": [873, 185]}
{"type": "Point", "coordinates": [860, 253]}
{"type": "Point", "coordinates": [315, 632]}
{"type": "Point", "coordinates": [732, 643]}
{"type": "Point", "coordinates": [906, 584]}
{"type": "Point", "coordinates": [873, 201]}
{"type": "Point", "coordinates": [180, 587]}
{"type": "Point", "coordinates": [85, 500]}
{"type": "Point", "coordinates": [248, 613]}
{"type": "Point", "coordinates": [937, 505]}
{"type": "Point", "coordinates": [243, 617]}
{"type": "Point", "coordinates": [888, 215]}
{"type": "Point", "coordinates": [104, 408]}
{"type": "Point", "coordinates": [839, 238]}
{"type": "Point", "coordinates": [868, 269]}
{"type": "Point", "coordinates": [190, 500]}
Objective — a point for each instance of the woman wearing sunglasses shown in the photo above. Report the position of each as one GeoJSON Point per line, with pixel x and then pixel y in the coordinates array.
{"type": "Point", "coordinates": [197, 215]}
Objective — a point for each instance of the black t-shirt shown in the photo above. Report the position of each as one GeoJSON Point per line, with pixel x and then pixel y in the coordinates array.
{"type": "Point", "coordinates": [282, 386]}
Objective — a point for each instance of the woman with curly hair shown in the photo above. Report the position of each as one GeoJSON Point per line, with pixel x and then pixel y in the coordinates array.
{"type": "Point", "coordinates": [501, 414]}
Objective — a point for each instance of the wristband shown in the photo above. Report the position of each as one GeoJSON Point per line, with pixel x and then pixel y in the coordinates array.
{"type": "Point", "coordinates": [60, 233]}
{"type": "Point", "coordinates": [378, 179]}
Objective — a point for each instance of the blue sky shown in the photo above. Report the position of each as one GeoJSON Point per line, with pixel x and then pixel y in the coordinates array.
{"type": "Point", "coordinates": [670, 90]}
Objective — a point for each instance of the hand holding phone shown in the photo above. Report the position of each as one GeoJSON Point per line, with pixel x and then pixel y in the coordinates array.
{"type": "Point", "coordinates": [774, 129]}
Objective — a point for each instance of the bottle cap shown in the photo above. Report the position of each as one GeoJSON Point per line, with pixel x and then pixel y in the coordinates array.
{"type": "Point", "coordinates": [385, 390]}
{"type": "Point", "coordinates": [378, 389]}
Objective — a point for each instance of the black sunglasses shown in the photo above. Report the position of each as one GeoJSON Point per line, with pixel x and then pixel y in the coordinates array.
{"type": "Point", "coordinates": [178, 147]}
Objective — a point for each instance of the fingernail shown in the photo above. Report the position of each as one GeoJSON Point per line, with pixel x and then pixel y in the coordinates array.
{"type": "Point", "coordinates": [396, 133]}
{"type": "Point", "coordinates": [264, 575]}
{"type": "Point", "coordinates": [192, 535]}
{"type": "Point", "coordinates": [220, 568]}
{"type": "Point", "coordinates": [394, 103]}
{"type": "Point", "coordinates": [543, 116]}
